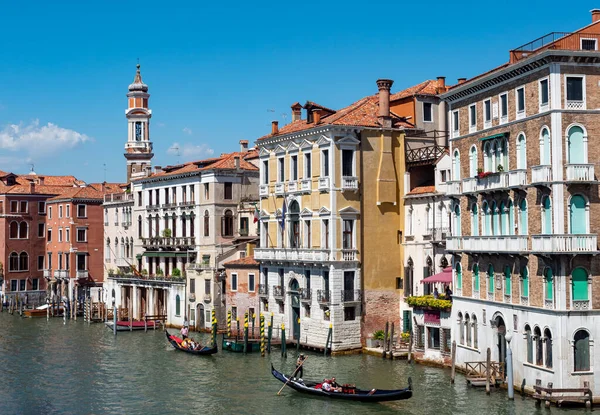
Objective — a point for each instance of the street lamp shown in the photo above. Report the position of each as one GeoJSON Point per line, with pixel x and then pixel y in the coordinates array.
{"type": "Point", "coordinates": [509, 366]}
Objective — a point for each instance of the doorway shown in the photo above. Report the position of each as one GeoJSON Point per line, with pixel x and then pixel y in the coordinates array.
{"type": "Point", "coordinates": [200, 317]}
{"type": "Point", "coordinates": [295, 301]}
{"type": "Point", "coordinates": [501, 340]}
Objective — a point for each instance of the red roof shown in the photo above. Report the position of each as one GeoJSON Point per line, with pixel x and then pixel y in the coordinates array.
{"type": "Point", "coordinates": [246, 261]}
{"type": "Point", "coordinates": [429, 87]}
{"type": "Point", "coordinates": [419, 190]}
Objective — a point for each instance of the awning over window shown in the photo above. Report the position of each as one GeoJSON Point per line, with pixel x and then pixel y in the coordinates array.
{"type": "Point", "coordinates": [165, 254]}
{"type": "Point", "coordinates": [445, 276]}
{"type": "Point", "coordinates": [491, 137]}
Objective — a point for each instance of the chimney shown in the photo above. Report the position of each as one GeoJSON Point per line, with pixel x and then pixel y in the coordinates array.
{"type": "Point", "coordinates": [595, 15]}
{"type": "Point", "coordinates": [41, 180]}
{"type": "Point", "coordinates": [274, 127]}
{"type": "Point", "coordinates": [103, 188]}
{"type": "Point", "coordinates": [148, 170]}
{"type": "Point", "coordinates": [384, 86]}
{"type": "Point", "coordinates": [157, 169]}
{"type": "Point", "coordinates": [441, 84]}
{"type": "Point", "coordinates": [462, 80]}
{"type": "Point", "coordinates": [243, 146]}
{"type": "Point", "coordinates": [296, 112]}
{"type": "Point", "coordinates": [236, 160]}
{"type": "Point", "coordinates": [317, 116]}
{"type": "Point", "coordinates": [32, 187]}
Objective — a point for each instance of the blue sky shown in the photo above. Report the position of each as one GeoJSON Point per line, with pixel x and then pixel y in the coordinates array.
{"type": "Point", "coordinates": [220, 73]}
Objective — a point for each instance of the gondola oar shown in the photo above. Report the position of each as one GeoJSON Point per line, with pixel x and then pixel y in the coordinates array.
{"type": "Point", "coordinates": [290, 378]}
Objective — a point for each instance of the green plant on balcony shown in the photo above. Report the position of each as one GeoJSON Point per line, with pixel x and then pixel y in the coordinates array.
{"type": "Point", "coordinates": [160, 272]}
{"type": "Point", "coordinates": [500, 168]}
{"type": "Point", "coordinates": [428, 302]}
{"type": "Point", "coordinates": [167, 233]}
{"type": "Point", "coordinates": [111, 272]}
{"type": "Point", "coordinates": [120, 272]}
{"type": "Point", "coordinates": [144, 272]}
{"type": "Point", "coordinates": [176, 274]}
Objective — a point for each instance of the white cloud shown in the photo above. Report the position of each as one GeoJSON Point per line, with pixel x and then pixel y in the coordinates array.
{"type": "Point", "coordinates": [189, 150]}
{"type": "Point", "coordinates": [187, 130]}
{"type": "Point", "coordinates": [39, 141]}
{"type": "Point", "coordinates": [161, 124]}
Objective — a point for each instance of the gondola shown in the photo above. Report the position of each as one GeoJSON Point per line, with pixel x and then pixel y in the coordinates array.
{"type": "Point", "coordinates": [176, 341]}
{"type": "Point", "coordinates": [349, 394]}
{"type": "Point", "coordinates": [237, 345]}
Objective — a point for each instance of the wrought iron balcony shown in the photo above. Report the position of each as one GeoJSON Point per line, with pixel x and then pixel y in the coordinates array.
{"type": "Point", "coordinates": [323, 183]}
{"type": "Point", "coordinates": [349, 183]}
{"type": "Point", "coordinates": [278, 292]}
{"type": "Point", "coordinates": [305, 295]}
{"type": "Point", "coordinates": [351, 296]}
{"type": "Point", "coordinates": [564, 243]}
{"type": "Point", "coordinates": [324, 296]}
{"type": "Point", "coordinates": [207, 298]}
{"type": "Point", "coordinates": [580, 172]}
{"type": "Point", "coordinates": [541, 174]}
{"type": "Point", "coordinates": [263, 290]}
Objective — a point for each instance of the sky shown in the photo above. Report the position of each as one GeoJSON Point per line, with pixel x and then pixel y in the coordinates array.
{"type": "Point", "coordinates": [221, 72]}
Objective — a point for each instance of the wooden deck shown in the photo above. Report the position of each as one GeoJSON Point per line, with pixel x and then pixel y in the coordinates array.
{"type": "Point", "coordinates": [561, 396]}
{"type": "Point", "coordinates": [476, 373]}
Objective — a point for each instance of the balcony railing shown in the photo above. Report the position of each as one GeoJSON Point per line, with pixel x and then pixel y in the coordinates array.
{"type": "Point", "coordinates": [207, 298]}
{"type": "Point", "coordinates": [349, 254]}
{"type": "Point", "coordinates": [278, 292]}
{"type": "Point", "coordinates": [566, 243]}
{"type": "Point", "coordinates": [47, 273]}
{"type": "Point", "coordinates": [517, 178]}
{"type": "Point", "coordinates": [555, 41]}
{"type": "Point", "coordinates": [453, 188]}
{"type": "Point", "coordinates": [305, 295]}
{"type": "Point", "coordinates": [524, 300]}
{"type": "Point", "coordinates": [351, 296]}
{"type": "Point", "coordinates": [82, 275]}
{"type": "Point", "coordinates": [323, 296]}
{"type": "Point", "coordinates": [323, 183]}
{"type": "Point", "coordinates": [152, 207]}
{"type": "Point", "coordinates": [56, 274]}
{"type": "Point", "coordinates": [263, 290]}
{"type": "Point", "coordinates": [192, 297]}
{"type": "Point", "coordinates": [263, 190]}
{"type": "Point", "coordinates": [494, 181]}
{"type": "Point", "coordinates": [174, 242]}
{"type": "Point", "coordinates": [118, 197]}
{"type": "Point", "coordinates": [292, 186]}
{"type": "Point", "coordinates": [244, 232]}
{"type": "Point", "coordinates": [279, 188]}
{"type": "Point", "coordinates": [437, 234]}
{"type": "Point", "coordinates": [198, 266]}
{"type": "Point", "coordinates": [349, 183]}
{"type": "Point", "coordinates": [541, 174]}
{"type": "Point", "coordinates": [496, 243]}
{"type": "Point", "coordinates": [169, 205]}
{"type": "Point", "coordinates": [581, 304]}
{"type": "Point", "coordinates": [580, 172]}
{"type": "Point", "coordinates": [187, 203]}
{"type": "Point", "coordinates": [575, 105]}
{"type": "Point", "coordinates": [306, 185]}
{"type": "Point", "coordinates": [289, 254]}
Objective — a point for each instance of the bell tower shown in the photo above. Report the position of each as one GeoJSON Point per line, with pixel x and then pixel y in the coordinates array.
{"type": "Point", "coordinates": [138, 150]}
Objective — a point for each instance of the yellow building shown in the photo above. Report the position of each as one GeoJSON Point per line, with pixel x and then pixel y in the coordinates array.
{"type": "Point", "coordinates": [331, 220]}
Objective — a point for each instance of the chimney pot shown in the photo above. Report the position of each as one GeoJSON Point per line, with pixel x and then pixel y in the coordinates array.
{"type": "Point", "coordinates": [32, 187]}
{"type": "Point", "coordinates": [441, 83]}
{"type": "Point", "coordinates": [384, 86]}
{"type": "Point", "coordinates": [595, 15]}
{"type": "Point", "coordinates": [296, 112]}
{"type": "Point", "coordinates": [236, 160]}
{"type": "Point", "coordinates": [462, 80]}
{"type": "Point", "coordinates": [243, 146]}
{"type": "Point", "coordinates": [157, 169]}
{"type": "Point", "coordinates": [317, 116]}
{"type": "Point", "coordinates": [274, 127]}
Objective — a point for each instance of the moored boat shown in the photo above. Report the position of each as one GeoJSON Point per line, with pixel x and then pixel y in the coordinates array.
{"type": "Point", "coordinates": [134, 325]}
{"type": "Point", "coordinates": [348, 393]}
{"type": "Point", "coordinates": [176, 343]}
{"type": "Point", "coordinates": [237, 345]}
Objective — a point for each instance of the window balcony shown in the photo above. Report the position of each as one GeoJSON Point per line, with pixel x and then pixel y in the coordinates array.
{"type": "Point", "coordinates": [292, 186]}
{"type": "Point", "coordinates": [580, 172]}
{"type": "Point", "coordinates": [305, 295]}
{"type": "Point", "coordinates": [517, 178]}
{"type": "Point", "coordinates": [82, 275]}
{"type": "Point", "coordinates": [349, 254]}
{"type": "Point", "coordinates": [47, 273]}
{"type": "Point", "coordinates": [564, 244]}
{"type": "Point", "coordinates": [541, 174]}
{"type": "Point", "coordinates": [483, 244]}
{"type": "Point", "coordinates": [190, 203]}
{"type": "Point", "coordinates": [278, 292]}
{"type": "Point", "coordinates": [198, 266]}
{"type": "Point", "coordinates": [263, 190]}
{"type": "Point", "coordinates": [453, 188]}
{"type": "Point", "coordinates": [172, 242]}
{"type": "Point", "coordinates": [57, 274]}
{"type": "Point", "coordinates": [152, 207]}
{"type": "Point", "coordinates": [306, 185]}
{"type": "Point", "coordinates": [169, 205]}
{"type": "Point", "coordinates": [192, 297]}
{"type": "Point", "coordinates": [349, 183]}
{"type": "Point", "coordinates": [323, 183]}
{"type": "Point", "coordinates": [549, 304]}
{"type": "Point", "coordinates": [575, 105]}
{"type": "Point", "coordinates": [490, 182]}
{"type": "Point", "coordinates": [581, 305]}
{"type": "Point", "coordinates": [324, 297]}
{"type": "Point", "coordinates": [279, 188]}
{"type": "Point", "coordinates": [263, 290]}
{"type": "Point", "coordinates": [244, 232]}
{"type": "Point", "coordinates": [289, 254]}
{"type": "Point", "coordinates": [207, 298]}
{"type": "Point", "coordinates": [351, 296]}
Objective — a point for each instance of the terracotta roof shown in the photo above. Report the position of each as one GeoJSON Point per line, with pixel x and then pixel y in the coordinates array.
{"type": "Point", "coordinates": [428, 87]}
{"type": "Point", "coordinates": [419, 190]}
{"type": "Point", "coordinates": [310, 104]}
{"type": "Point", "coordinates": [87, 192]}
{"type": "Point", "coordinates": [362, 113]}
{"type": "Point", "coordinates": [247, 261]}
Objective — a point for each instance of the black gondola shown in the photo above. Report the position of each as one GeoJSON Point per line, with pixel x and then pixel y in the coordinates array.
{"type": "Point", "coordinates": [374, 395]}
{"type": "Point", "coordinates": [175, 342]}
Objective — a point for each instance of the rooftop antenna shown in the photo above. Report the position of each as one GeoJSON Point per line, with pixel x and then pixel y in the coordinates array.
{"type": "Point", "coordinates": [176, 148]}
{"type": "Point", "coordinates": [104, 164]}
{"type": "Point", "coordinates": [32, 166]}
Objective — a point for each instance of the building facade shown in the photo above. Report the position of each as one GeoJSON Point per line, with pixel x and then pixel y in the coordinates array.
{"type": "Point", "coordinates": [242, 290]}
{"type": "Point", "coordinates": [524, 186]}
{"type": "Point", "coordinates": [119, 256]}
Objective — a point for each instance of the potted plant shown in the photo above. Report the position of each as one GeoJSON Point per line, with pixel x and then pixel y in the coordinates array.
{"type": "Point", "coordinates": [405, 337]}
{"type": "Point", "coordinates": [500, 168]}
{"type": "Point", "coordinates": [111, 272]}
{"type": "Point", "coordinates": [176, 274]}
{"type": "Point", "coordinates": [167, 233]}
{"type": "Point", "coordinates": [160, 272]}
{"type": "Point", "coordinates": [376, 339]}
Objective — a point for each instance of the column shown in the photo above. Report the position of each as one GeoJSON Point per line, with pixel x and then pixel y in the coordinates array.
{"type": "Point", "coordinates": [135, 299]}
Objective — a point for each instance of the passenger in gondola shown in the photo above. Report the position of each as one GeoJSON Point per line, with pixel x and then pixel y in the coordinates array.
{"type": "Point", "coordinates": [184, 332]}
{"type": "Point", "coordinates": [326, 386]}
{"type": "Point", "coordinates": [334, 386]}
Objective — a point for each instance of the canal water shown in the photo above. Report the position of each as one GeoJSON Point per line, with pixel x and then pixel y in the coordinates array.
{"type": "Point", "coordinates": [48, 367]}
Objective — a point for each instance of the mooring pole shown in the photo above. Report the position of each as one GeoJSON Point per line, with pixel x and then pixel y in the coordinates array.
{"type": "Point", "coordinates": [214, 327]}
{"type": "Point", "coordinates": [115, 319]}
{"type": "Point", "coordinates": [453, 370]}
{"type": "Point", "coordinates": [410, 346]}
{"type": "Point", "coordinates": [298, 342]}
{"type": "Point", "coordinates": [487, 370]}
{"type": "Point", "coordinates": [391, 342]}
{"type": "Point", "coordinates": [229, 323]}
{"type": "Point", "coordinates": [509, 368]}
{"type": "Point", "coordinates": [262, 335]}
{"type": "Point", "coordinates": [385, 338]}
{"type": "Point", "coordinates": [270, 334]}
{"type": "Point", "coordinates": [328, 338]}
{"type": "Point", "coordinates": [246, 332]}
{"type": "Point", "coordinates": [283, 343]}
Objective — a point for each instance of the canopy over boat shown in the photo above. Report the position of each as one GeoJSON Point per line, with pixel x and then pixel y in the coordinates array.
{"type": "Point", "coordinates": [350, 394]}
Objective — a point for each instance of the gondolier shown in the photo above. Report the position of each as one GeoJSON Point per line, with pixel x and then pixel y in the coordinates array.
{"type": "Point", "coordinates": [300, 366]}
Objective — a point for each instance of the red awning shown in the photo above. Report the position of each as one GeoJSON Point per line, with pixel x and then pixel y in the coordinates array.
{"type": "Point", "coordinates": [445, 276]}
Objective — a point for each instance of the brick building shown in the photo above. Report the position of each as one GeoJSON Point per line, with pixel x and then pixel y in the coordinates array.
{"type": "Point", "coordinates": [524, 147]}
{"type": "Point", "coordinates": [242, 288]}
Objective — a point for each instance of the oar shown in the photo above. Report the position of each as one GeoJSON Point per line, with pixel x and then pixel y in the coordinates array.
{"type": "Point", "coordinates": [290, 378]}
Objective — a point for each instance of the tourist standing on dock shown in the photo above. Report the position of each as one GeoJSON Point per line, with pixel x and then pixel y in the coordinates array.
{"type": "Point", "coordinates": [184, 332]}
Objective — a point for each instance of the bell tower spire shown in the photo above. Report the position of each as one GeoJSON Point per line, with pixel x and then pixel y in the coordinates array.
{"type": "Point", "coordinates": [138, 149]}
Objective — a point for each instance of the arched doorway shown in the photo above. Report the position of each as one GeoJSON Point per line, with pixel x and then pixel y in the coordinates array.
{"type": "Point", "coordinates": [200, 323]}
{"type": "Point", "coordinates": [294, 289]}
{"type": "Point", "coordinates": [501, 340]}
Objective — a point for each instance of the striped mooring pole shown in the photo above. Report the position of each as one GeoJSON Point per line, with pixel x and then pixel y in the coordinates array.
{"type": "Point", "coordinates": [262, 335]}
{"type": "Point", "coordinates": [283, 344]}
{"type": "Point", "coordinates": [229, 323]}
{"type": "Point", "coordinates": [246, 332]}
{"type": "Point", "coordinates": [298, 342]}
{"type": "Point", "coordinates": [270, 334]}
{"type": "Point", "coordinates": [214, 327]}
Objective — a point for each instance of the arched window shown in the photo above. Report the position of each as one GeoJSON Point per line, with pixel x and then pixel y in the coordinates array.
{"type": "Point", "coordinates": [495, 219]}
{"type": "Point", "coordinates": [523, 217]}
{"type": "Point", "coordinates": [206, 223]}
{"type": "Point", "coordinates": [521, 152]}
{"type": "Point", "coordinates": [458, 269]}
{"type": "Point", "coordinates": [476, 277]}
{"type": "Point", "coordinates": [177, 305]}
{"type": "Point", "coordinates": [539, 347]}
{"type": "Point", "coordinates": [294, 228]}
{"type": "Point", "coordinates": [460, 329]}
{"type": "Point", "coordinates": [13, 262]}
{"type": "Point", "coordinates": [140, 231]}
{"type": "Point", "coordinates": [183, 225]}
{"type": "Point", "coordinates": [503, 219]}
{"type": "Point", "coordinates": [503, 161]}
{"type": "Point", "coordinates": [507, 284]}
{"type": "Point", "coordinates": [468, 329]}
{"type": "Point", "coordinates": [545, 159]}
{"type": "Point", "coordinates": [474, 325]}
{"type": "Point", "coordinates": [131, 247]}
{"type": "Point", "coordinates": [107, 249]}
{"type": "Point", "coordinates": [487, 157]}
{"type": "Point", "coordinates": [444, 217]}
{"type": "Point", "coordinates": [578, 215]}
{"type": "Point", "coordinates": [456, 166]}
{"type": "Point", "coordinates": [495, 156]}
{"type": "Point", "coordinates": [174, 226]}
{"type": "Point", "coordinates": [511, 218]}
{"type": "Point", "coordinates": [549, 281]}
{"type": "Point", "coordinates": [525, 282]}
{"type": "Point", "coordinates": [474, 220]}
{"type": "Point", "coordinates": [548, 343]}
{"type": "Point", "coordinates": [14, 230]}
{"type": "Point", "coordinates": [487, 219]}
{"type": "Point", "coordinates": [122, 248]}
{"type": "Point", "coordinates": [529, 341]}
{"type": "Point", "coordinates": [579, 281]}
{"type": "Point", "coordinates": [23, 230]}
{"type": "Point", "coordinates": [490, 279]}
{"type": "Point", "coordinates": [457, 220]}
{"type": "Point", "coordinates": [576, 146]}
{"type": "Point", "coordinates": [581, 350]}
{"type": "Point", "coordinates": [473, 162]}
{"type": "Point", "coordinates": [23, 261]}
{"type": "Point", "coordinates": [192, 225]}
{"type": "Point", "coordinates": [546, 215]}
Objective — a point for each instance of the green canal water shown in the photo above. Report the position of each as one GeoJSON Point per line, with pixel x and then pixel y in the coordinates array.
{"type": "Point", "coordinates": [48, 367]}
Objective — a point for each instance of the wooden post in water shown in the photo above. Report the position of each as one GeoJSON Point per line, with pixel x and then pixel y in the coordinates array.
{"type": "Point", "coordinates": [298, 342]}
{"type": "Point", "coordinates": [229, 323]}
{"type": "Point", "coordinates": [246, 332]}
{"type": "Point", "coordinates": [253, 318]}
{"type": "Point", "coordinates": [262, 335]}
{"type": "Point", "coordinates": [488, 370]}
{"type": "Point", "coordinates": [329, 333]}
{"type": "Point", "coordinates": [391, 342]}
{"type": "Point", "coordinates": [146, 324]}
{"type": "Point", "coordinates": [283, 344]}
{"type": "Point", "coordinates": [453, 369]}
{"type": "Point", "coordinates": [410, 346]}
{"type": "Point", "coordinates": [270, 334]}
{"type": "Point", "coordinates": [48, 311]}
{"type": "Point", "coordinates": [385, 338]}
{"type": "Point", "coordinates": [115, 320]}
{"type": "Point", "coordinates": [237, 327]}
{"type": "Point", "coordinates": [128, 318]}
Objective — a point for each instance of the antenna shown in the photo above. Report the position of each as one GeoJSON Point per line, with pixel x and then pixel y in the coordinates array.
{"type": "Point", "coordinates": [32, 166]}
{"type": "Point", "coordinates": [104, 165]}
{"type": "Point", "coordinates": [176, 148]}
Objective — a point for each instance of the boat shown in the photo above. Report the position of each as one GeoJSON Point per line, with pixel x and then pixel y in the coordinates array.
{"type": "Point", "coordinates": [348, 393]}
{"type": "Point", "coordinates": [134, 325]}
{"type": "Point", "coordinates": [237, 345]}
{"type": "Point", "coordinates": [36, 312]}
{"type": "Point", "coordinates": [176, 343]}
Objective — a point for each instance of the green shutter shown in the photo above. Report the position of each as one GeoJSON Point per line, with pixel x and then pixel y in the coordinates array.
{"type": "Point", "coordinates": [525, 276]}
{"type": "Point", "coordinates": [579, 280]}
{"type": "Point", "coordinates": [406, 321]}
{"type": "Point", "coordinates": [549, 285]}
{"type": "Point", "coordinates": [507, 287]}
{"type": "Point", "coordinates": [476, 272]}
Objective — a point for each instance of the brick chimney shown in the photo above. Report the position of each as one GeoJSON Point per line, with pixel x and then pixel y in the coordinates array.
{"type": "Point", "coordinates": [595, 15]}
{"type": "Point", "coordinates": [243, 146]}
{"type": "Point", "coordinates": [441, 84]}
{"type": "Point", "coordinates": [32, 187]}
{"type": "Point", "coordinates": [317, 116]}
{"type": "Point", "coordinates": [274, 127]}
{"type": "Point", "coordinates": [384, 86]}
{"type": "Point", "coordinates": [103, 187]}
{"type": "Point", "coordinates": [296, 112]}
{"type": "Point", "coordinates": [236, 161]}
{"type": "Point", "coordinates": [462, 80]}
{"type": "Point", "coordinates": [41, 180]}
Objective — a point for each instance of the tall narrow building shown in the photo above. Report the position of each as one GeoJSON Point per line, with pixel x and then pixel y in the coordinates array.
{"type": "Point", "coordinates": [138, 149]}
